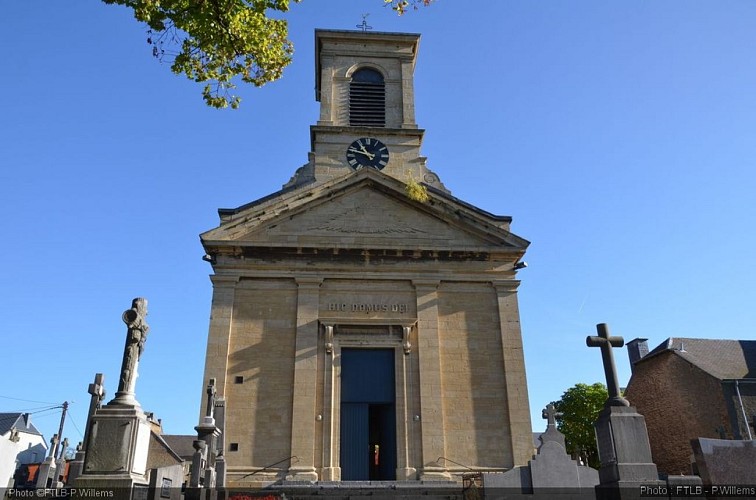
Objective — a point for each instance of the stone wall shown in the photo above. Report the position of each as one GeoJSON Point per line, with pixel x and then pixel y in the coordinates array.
{"type": "Point", "coordinates": [474, 395]}
{"type": "Point", "coordinates": [258, 410]}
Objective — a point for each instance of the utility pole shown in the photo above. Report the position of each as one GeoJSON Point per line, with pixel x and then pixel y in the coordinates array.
{"type": "Point", "coordinates": [60, 429]}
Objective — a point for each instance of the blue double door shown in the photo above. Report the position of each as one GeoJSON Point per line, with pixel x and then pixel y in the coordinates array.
{"type": "Point", "coordinates": [368, 415]}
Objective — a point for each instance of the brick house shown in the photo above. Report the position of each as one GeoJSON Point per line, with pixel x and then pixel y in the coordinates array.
{"type": "Point", "coordinates": [689, 388]}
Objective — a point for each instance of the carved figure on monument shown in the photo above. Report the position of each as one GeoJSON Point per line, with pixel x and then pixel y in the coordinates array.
{"type": "Point", "coordinates": [209, 411]}
{"type": "Point", "coordinates": [136, 336]}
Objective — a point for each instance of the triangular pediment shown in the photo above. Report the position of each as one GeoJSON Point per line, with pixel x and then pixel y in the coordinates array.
{"type": "Point", "coordinates": [364, 210]}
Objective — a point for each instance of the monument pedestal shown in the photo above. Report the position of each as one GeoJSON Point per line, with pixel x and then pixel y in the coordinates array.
{"type": "Point", "coordinates": [47, 477]}
{"type": "Point", "coordinates": [118, 446]}
{"type": "Point", "coordinates": [625, 454]}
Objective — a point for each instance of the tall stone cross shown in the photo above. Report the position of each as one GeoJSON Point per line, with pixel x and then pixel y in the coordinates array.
{"type": "Point", "coordinates": [97, 393]}
{"type": "Point", "coordinates": [606, 342]}
{"type": "Point", "coordinates": [136, 335]}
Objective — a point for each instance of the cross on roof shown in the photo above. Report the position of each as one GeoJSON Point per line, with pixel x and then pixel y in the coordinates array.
{"type": "Point", "coordinates": [606, 342]}
{"type": "Point", "coordinates": [364, 24]}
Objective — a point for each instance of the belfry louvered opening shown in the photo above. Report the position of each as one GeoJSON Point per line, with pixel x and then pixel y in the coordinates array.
{"type": "Point", "coordinates": [367, 99]}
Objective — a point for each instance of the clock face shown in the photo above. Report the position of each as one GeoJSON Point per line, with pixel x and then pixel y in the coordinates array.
{"type": "Point", "coordinates": [367, 152]}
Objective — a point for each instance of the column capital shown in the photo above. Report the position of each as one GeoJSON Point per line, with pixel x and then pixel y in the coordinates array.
{"type": "Point", "coordinates": [426, 283]}
{"type": "Point", "coordinates": [505, 286]}
{"type": "Point", "coordinates": [308, 281]}
{"type": "Point", "coordinates": [224, 280]}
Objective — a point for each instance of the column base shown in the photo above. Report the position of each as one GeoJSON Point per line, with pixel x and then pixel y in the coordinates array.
{"type": "Point", "coordinates": [406, 474]}
{"type": "Point", "coordinates": [302, 474]}
{"type": "Point", "coordinates": [435, 474]}
{"type": "Point", "coordinates": [330, 474]}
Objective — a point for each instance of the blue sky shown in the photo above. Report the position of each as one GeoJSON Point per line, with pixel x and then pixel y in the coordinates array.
{"type": "Point", "coordinates": [618, 135]}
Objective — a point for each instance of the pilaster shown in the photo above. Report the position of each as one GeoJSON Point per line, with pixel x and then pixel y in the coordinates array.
{"type": "Point", "coordinates": [221, 322]}
{"type": "Point", "coordinates": [517, 405]}
{"type": "Point", "coordinates": [431, 395]}
{"type": "Point", "coordinates": [305, 381]}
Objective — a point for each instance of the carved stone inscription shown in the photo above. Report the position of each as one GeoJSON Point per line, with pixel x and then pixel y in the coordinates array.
{"type": "Point", "coordinates": [367, 308]}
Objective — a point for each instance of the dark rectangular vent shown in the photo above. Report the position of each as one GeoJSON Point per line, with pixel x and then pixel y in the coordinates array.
{"type": "Point", "coordinates": [367, 104]}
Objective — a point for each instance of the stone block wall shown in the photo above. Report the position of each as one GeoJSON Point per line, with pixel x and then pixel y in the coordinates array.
{"type": "Point", "coordinates": [261, 352]}
{"type": "Point", "coordinates": [474, 394]}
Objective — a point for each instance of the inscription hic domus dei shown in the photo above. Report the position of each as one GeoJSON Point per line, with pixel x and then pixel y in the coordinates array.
{"type": "Point", "coordinates": [367, 308]}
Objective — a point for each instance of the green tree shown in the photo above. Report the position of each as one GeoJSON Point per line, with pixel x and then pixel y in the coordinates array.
{"type": "Point", "coordinates": [219, 42]}
{"type": "Point", "coordinates": [579, 408]}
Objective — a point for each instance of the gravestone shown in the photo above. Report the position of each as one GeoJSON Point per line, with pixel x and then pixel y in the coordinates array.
{"type": "Point", "coordinates": [96, 391]}
{"type": "Point", "coordinates": [621, 435]}
{"type": "Point", "coordinates": [46, 473]}
{"type": "Point", "coordinates": [119, 434]}
{"type": "Point", "coordinates": [552, 473]}
{"type": "Point", "coordinates": [204, 475]}
{"type": "Point", "coordinates": [725, 461]}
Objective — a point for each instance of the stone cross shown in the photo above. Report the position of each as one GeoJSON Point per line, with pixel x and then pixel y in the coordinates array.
{"type": "Point", "coordinates": [550, 414]}
{"type": "Point", "coordinates": [606, 342]}
{"type": "Point", "coordinates": [136, 335]}
{"type": "Point", "coordinates": [53, 444]}
{"type": "Point", "coordinates": [97, 392]}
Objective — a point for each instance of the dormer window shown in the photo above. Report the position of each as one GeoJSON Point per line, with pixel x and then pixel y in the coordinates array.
{"type": "Point", "coordinates": [367, 99]}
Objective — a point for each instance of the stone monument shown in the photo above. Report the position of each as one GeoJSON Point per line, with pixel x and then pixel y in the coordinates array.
{"type": "Point", "coordinates": [621, 435]}
{"type": "Point", "coordinates": [47, 467]}
{"type": "Point", "coordinates": [552, 473]}
{"type": "Point", "coordinates": [204, 459]}
{"type": "Point", "coordinates": [118, 436]}
{"type": "Point", "coordinates": [96, 391]}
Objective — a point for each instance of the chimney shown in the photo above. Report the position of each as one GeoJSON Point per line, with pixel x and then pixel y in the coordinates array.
{"type": "Point", "coordinates": [636, 350]}
{"type": "Point", "coordinates": [26, 420]}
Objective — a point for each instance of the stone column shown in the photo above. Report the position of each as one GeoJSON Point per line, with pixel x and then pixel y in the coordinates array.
{"type": "Point", "coordinates": [221, 321]}
{"type": "Point", "coordinates": [305, 381]}
{"type": "Point", "coordinates": [404, 423]}
{"type": "Point", "coordinates": [517, 405]}
{"type": "Point", "coordinates": [431, 396]}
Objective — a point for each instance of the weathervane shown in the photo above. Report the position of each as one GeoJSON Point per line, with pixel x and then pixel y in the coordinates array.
{"type": "Point", "coordinates": [364, 24]}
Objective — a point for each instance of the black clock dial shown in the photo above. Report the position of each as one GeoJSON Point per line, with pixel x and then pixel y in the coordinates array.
{"type": "Point", "coordinates": [367, 152]}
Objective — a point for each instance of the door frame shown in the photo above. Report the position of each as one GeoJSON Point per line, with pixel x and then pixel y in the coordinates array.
{"type": "Point", "coordinates": [397, 336]}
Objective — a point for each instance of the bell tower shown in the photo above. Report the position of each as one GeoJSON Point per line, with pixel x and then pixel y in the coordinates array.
{"type": "Point", "coordinates": [364, 83]}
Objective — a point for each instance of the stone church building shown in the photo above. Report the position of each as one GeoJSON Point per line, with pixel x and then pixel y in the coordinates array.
{"type": "Point", "coordinates": [359, 333]}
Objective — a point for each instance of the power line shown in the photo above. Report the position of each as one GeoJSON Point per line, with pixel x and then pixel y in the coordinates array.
{"type": "Point", "coordinates": [28, 400]}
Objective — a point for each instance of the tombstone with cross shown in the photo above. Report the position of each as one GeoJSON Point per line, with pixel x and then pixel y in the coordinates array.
{"type": "Point", "coordinates": [621, 435]}
{"type": "Point", "coordinates": [552, 434]}
{"type": "Point", "coordinates": [605, 342]}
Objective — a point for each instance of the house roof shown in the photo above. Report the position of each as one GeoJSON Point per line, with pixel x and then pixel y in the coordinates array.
{"type": "Point", "coordinates": [181, 444]}
{"type": "Point", "coordinates": [722, 359]}
{"type": "Point", "coordinates": [16, 419]}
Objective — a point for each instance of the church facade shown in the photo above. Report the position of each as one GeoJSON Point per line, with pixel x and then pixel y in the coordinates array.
{"type": "Point", "coordinates": [359, 332]}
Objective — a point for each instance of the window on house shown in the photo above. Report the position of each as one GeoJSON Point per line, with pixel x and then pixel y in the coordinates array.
{"type": "Point", "coordinates": [367, 99]}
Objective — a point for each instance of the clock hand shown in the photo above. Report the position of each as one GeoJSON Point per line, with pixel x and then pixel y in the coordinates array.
{"type": "Point", "coordinates": [369, 155]}
{"type": "Point", "coordinates": [363, 152]}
